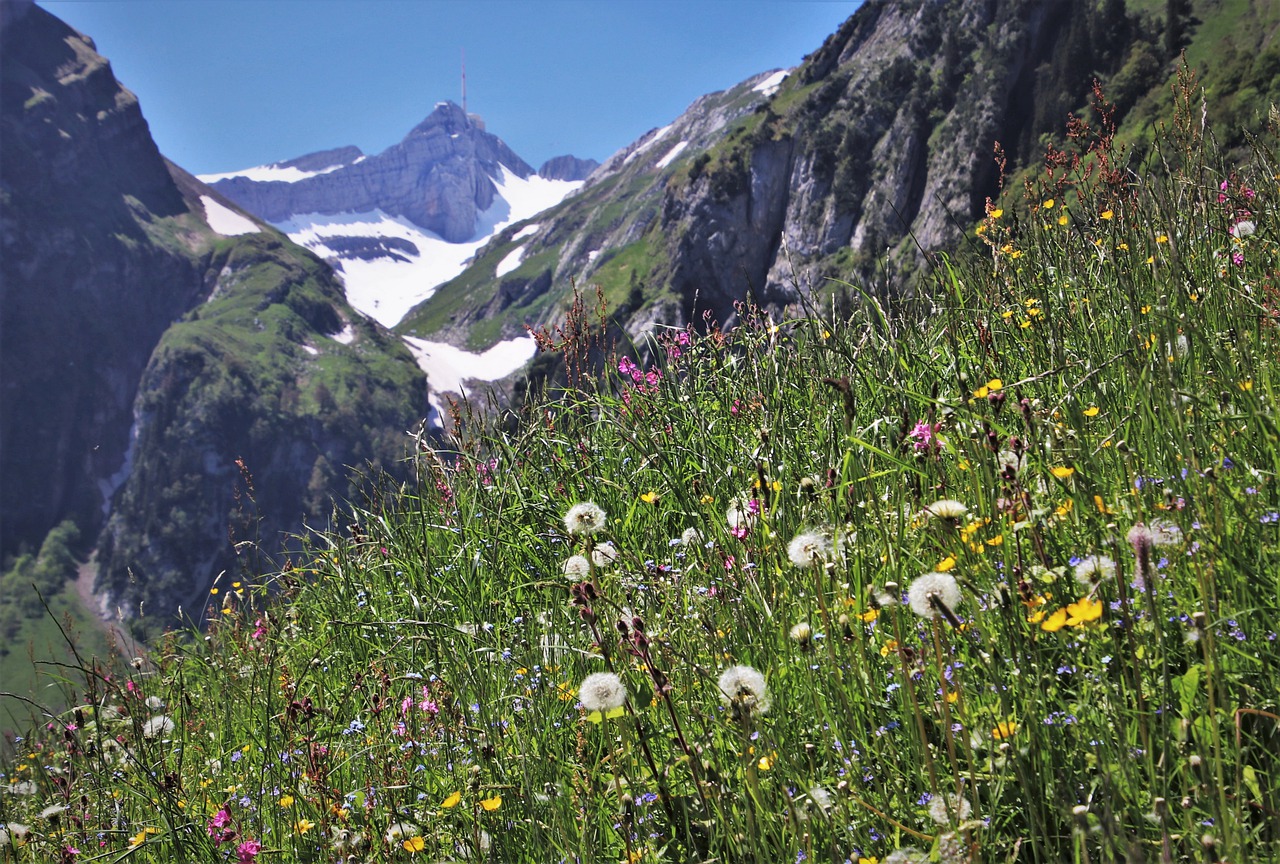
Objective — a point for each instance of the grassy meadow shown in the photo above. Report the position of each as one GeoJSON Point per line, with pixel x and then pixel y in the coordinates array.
{"type": "Point", "coordinates": [991, 574]}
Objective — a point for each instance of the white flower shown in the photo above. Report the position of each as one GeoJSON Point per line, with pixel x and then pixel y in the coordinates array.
{"type": "Point", "coordinates": [397, 832]}
{"type": "Point", "coordinates": [958, 804]}
{"type": "Point", "coordinates": [940, 585]}
{"type": "Point", "coordinates": [1007, 459]}
{"type": "Point", "coordinates": [691, 537]}
{"type": "Point", "coordinates": [155, 703]}
{"type": "Point", "coordinates": [604, 554]}
{"type": "Point", "coordinates": [159, 725]}
{"type": "Point", "coordinates": [811, 548]}
{"type": "Point", "coordinates": [741, 514]}
{"type": "Point", "coordinates": [802, 633]}
{"type": "Point", "coordinates": [743, 690]}
{"type": "Point", "coordinates": [602, 691]}
{"type": "Point", "coordinates": [1094, 569]}
{"type": "Point", "coordinates": [946, 510]}
{"type": "Point", "coordinates": [1243, 229]}
{"type": "Point", "coordinates": [584, 518]}
{"type": "Point", "coordinates": [577, 567]}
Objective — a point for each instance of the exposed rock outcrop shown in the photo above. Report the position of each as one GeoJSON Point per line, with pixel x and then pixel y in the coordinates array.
{"type": "Point", "coordinates": [567, 168]}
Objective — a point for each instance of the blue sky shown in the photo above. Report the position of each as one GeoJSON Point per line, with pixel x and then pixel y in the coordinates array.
{"type": "Point", "coordinates": [228, 84]}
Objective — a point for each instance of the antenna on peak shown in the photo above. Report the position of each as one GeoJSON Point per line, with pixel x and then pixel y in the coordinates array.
{"type": "Point", "coordinates": [464, 80]}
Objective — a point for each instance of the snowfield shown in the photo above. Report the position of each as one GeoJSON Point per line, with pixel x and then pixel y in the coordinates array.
{"type": "Point", "coordinates": [226, 221]}
{"type": "Point", "coordinates": [447, 367]}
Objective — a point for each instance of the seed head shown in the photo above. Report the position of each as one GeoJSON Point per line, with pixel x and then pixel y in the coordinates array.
{"type": "Point", "coordinates": [602, 691]}
{"type": "Point", "coordinates": [585, 518]}
{"type": "Point", "coordinates": [1094, 569]}
{"type": "Point", "coordinates": [743, 690]}
{"type": "Point", "coordinates": [943, 586]}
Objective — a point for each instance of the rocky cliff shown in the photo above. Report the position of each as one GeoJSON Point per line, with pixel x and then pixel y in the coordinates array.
{"type": "Point", "coordinates": [567, 168]}
{"type": "Point", "coordinates": [153, 335]}
{"type": "Point", "coordinates": [872, 153]}
{"type": "Point", "coordinates": [440, 177]}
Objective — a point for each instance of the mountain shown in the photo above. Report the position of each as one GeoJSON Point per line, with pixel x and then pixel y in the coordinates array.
{"type": "Point", "coordinates": [852, 169]}
{"type": "Point", "coordinates": [173, 369]}
{"type": "Point", "coordinates": [397, 224]}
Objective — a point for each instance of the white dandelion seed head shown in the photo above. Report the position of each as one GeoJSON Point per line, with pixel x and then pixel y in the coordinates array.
{"type": "Point", "coordinates": [802, 633]}
{"type": "Point", "coordinates": [1164, 533]}
{"type": "Point", "coordinates": [398, 832]}
{"type": "Point", "coordinates": [585, 518]}
{"type": "Point", "coordinates": [740, 514]}
{"type": "Point", "coordinates": [604, 554]}
{"type": "Point", "coordinates": [1007, 459]}
{"type": "Point", "coordinates": [14, 832]}
{"type": "Point", "coordinates": [821, 799]}
{"type": "Point", "coordinates": [960, 808]}
{"type": "Point", "coordinates": [577, 567]}
{"type": "Point", "coordinates": [691, 537]}
{"type": "Point", "coordinates": [1094, 569]}
{"type": "Point", "coordinates": [885, 598]}
{"type": "Point", "coordinates": [161, 724]}
{"type": "Point", "coordinates": [602, 691]}
{"type": "Point", "coordinates": [1243, 228]}
{"type": "Point", "coordinates": [940, 585]}
{"type": "Point", "coordinates": [743, 690]}
{"type": "Point", "coordinates": [811, 549]}
{"type": "Point", "coordinates": [52, 811]}
{"type": "Point", "coordinates": [947, 510]}
{"type": "Point", "coordinates": [23, 787]}
{"type": "Point", "coordinates": [155, 703]}
{"type": "Point", "coordinates": [1178, 348]}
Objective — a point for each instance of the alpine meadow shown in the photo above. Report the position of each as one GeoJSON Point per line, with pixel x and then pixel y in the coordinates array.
{"type": "Point", "coordinates": [986, 569]}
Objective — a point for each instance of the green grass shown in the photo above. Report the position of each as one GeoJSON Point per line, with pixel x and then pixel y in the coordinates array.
{"type": "Point", "coordinates": [1097, 679]}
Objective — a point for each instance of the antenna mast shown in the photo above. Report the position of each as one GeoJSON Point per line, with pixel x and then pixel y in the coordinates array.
{"type": "Point", "coordinates": [464, 80]}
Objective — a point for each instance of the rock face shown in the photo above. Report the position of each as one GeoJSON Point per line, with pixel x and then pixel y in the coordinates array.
{"type": "Point", "coordinates": [567, 168]}
{"type": "Point", "coordinates": [163, 383]}
{"type": "Point", "coordinates": [438, 177]}
{"type": "Point", "coordinates": [877, 149]}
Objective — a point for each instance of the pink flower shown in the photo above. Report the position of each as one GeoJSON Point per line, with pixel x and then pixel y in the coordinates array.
{"type": "Point", "coordinates": [1237, 258]}
{"type": "Point", "coordinates": [248, 851]}
{"type": "Point", "coordinates": [220, 820]}
{"type": "Point", "coordinates": [925, 436]}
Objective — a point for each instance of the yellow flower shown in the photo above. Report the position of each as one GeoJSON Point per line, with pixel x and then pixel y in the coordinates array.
{"type": "Point", "coordinates": [1048, 205]}
{"type": "Point", "coordinates": [1246, 384]}
{"type": "Point", "coordinates": [996, 540]}
{"type": "Point", "coordinates": [888, 648]}
{"type": "Point", "coordinates": [1091, 411]}
{"type": "Point", "coordinates": [1101, 505]}
{"type": "Point", "coordinates": [1062, 220]}
{"type": "Point", "coordinates": [1062, 472]}
{"type": "Point", "coordinates": [869, 616]}
{"type": "Point", "coordinates": [996, 213]}
{"type": "Point", "coordinates": [981, 229]}
{"type": "Point", "coordinates": [302, 826]}
{"type": "Point", "coordinates": [491, 804]}
{"type": "Point", "coordinates": [1036, 617]}
{"type": "Point", "coordinates": [451, 801]}
{"type": "Point", "coordinates": [286, 801]}
{"type": "Point", "coordinates": [649, 497]}
{"type": "Point", "coordinates": [946, 564]}
{"type": "Point", "coordinates": [213, 590]}
{"type": "Point", "coordinates": [1107, 214]}
{"type": "Point", "coordinates": [414, 845]}
{"type": "Point", "coordinates": [766, 762]}
{"type": "Point", "coordinates": [1054, 622]}
{"type": "Point", "coordinates": [1163, 238]}
{"type": "Point", "coordinates": [1004, 730]}
{"type": "Point", "coordinates": [707, 499]}
{"type": "Point", "coordinates": [1083, 611]}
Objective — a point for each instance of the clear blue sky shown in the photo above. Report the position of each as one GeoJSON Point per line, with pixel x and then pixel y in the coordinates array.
{"type": "Point", "coordinates": [229, 84]}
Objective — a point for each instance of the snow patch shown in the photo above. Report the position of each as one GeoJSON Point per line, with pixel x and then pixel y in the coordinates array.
{"type": "Point", "coordinates": [527, 231]}
{"type": "Point", "coordinates": [672, 154]}
{"type": "Point", "coordinates": [646, 145]}
{"type": "Point", "coordinates": [385, 288]}
{"type": "Point", "coordinates": [510, 262]}
{"type": "Point", "coordinates": [593, 255]}
{"type": "Point", "coordinates": [770, 85]}
{"type": "Point", "coordinates": [447, 367]}
{"type": "Point", "coordinates": [272, 173]}
{"type": "Point", "coordinates": [311, 350]}
{"type": "Point", "coordinates": [345, 336]}
{"type": "Point", "coordinates": [226, 221]}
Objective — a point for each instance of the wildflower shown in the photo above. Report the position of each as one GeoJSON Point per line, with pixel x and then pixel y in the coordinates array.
{"type": "Point", "coordinates": [925, 436]}
{"type": "Point", "coordinates": [452, 801]}
{"type": "Point", "coordinates": [650, 497]}
{"type": "Point", "coordinates": [931, 589]}
{"type": "Point", "coordinates": [157, 726]}
{"type": "Point", "coordinates": [741, 515]}
{"type": "Point", "coordinates": [491, 804]}
{"type": "Point", "coordinates": [1004, 730]}
{"type": "Point", "coordinates": [585, 518]}
{"type": "Point", "coordinates": [691, 537]}
{"type": "Point", "coordinates": [1243, 229]}
{"type": "Point", "coordinates": [302, 826]}
{"type": "Point", "coordinates": [398, 832]}
{"type": "Point", "coordinates": [1062, 472]}
{"type": "Point", "coordinates": [218, 821]}
{"type": "Point", "coordinates": [1094, 569]}
{"type": "Point", "coordinates": [947, 511]}
{"type": "Point", "coordinates": [743, 690]}
{"type": "Point", "coordinates": [247, 852]}
{"type": "Point", "coordinates": [802, 635]}
{"type": "Point", "coordinates": [810, 548]}
{"type": "Point", "coordinates": [1083, 611]}
{"type": "Point", "coordinates": [1164, 533]}
{"type": "Point", "coordinates": [155, 703]}
{"type": "Point", "coordinates": [604, 554]}
{"type": "Point", "coordinates": [414, 845]}
{"type": "Point", "coordinates": [577, 567]}
{"type": "Point", "coordinates": [602, 691]}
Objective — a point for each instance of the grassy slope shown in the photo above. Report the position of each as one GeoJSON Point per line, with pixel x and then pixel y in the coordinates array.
{"type": "Point", "coordinates": [414, 691]}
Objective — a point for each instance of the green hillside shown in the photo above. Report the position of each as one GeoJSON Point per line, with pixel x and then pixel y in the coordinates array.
{"type": "Point", "coordinates": [988, 578]}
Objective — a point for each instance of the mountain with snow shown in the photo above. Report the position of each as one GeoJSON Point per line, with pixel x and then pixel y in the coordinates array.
{"type": "Point", "coordinates": [398, 224]}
